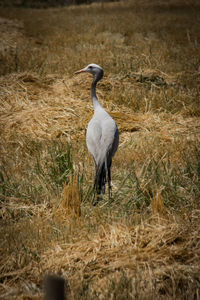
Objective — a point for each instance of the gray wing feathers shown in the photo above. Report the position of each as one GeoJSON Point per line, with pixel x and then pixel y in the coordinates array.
{"type": "Point", "coordinates": [102, 139]}
{"type": "Point", "coordinates": [93, 138]}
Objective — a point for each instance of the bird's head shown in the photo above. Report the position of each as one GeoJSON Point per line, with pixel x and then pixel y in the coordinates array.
{"type": "Point", "coordinates": [93, 69]}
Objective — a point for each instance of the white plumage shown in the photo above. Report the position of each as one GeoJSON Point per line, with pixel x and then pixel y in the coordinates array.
{"type": "Point", "coordinates": [102, 136]}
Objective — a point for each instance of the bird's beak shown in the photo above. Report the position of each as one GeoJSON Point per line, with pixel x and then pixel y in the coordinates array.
{"type": "Point", "coordinates": [80, 71]}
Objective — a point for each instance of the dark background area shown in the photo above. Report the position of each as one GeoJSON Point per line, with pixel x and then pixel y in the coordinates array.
{"type": "Point", "coordinates": [45, 3]}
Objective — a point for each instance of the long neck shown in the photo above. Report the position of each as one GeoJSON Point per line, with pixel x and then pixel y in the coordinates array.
{"type": "Point", "coordinates": [95, 101]}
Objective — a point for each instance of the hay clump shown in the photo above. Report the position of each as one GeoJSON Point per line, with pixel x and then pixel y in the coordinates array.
{"type": "Point", "coordinates": [70, 204]}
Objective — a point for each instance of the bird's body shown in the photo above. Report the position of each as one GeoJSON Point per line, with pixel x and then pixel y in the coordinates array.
{"type": "Point", "coordinates": [102, 135]}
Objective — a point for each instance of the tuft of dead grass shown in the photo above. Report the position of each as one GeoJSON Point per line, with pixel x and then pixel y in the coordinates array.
{"type": "Point", "coordinates": [70, 204]}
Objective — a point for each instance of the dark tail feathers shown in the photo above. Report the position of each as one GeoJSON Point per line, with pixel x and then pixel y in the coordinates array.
{"type": "Point", "coordinates": [100, 179]}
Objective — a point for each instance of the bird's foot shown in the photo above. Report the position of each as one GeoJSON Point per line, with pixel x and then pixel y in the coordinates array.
{"type": "Point", "coordinates": [97, 199]}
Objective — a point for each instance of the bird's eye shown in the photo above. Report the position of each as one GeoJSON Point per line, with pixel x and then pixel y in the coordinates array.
{"type": "Point", "coordinates": [90, 67]}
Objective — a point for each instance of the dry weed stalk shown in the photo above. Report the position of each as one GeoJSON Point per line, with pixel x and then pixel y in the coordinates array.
{"type": "Point", "coordinates": [157, 205]}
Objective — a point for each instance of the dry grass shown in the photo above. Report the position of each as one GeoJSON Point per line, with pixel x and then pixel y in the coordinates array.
{"type": "Point", "coordinates": [144, 242]}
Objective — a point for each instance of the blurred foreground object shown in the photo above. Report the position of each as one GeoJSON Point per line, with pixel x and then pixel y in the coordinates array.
{"type": "Point", "coordinates": [54, 288]}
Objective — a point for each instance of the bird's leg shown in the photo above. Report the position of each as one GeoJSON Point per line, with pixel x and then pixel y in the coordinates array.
{"type": "Point", "coordinates": [103, 188]}
{"type": "Point", "coordinates": [95, 179]}
{"type": "Point", "coordinates": [109, 184]}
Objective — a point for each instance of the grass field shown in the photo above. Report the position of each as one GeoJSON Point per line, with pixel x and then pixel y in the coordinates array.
{"type": "Point", "coordinates": [144, 242]}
